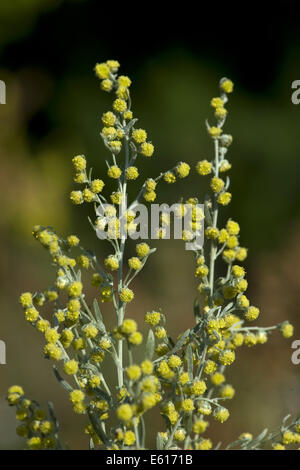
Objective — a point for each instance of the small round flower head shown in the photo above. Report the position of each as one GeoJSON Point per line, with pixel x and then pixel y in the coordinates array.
{"type": "Point", "coordinates": [216, 102]}
{"type": "Point", "coordinates": [124, 81]}
{"type": "Point", "coordinates": [153, 318]}
{"type": "Point", "coordinates": [204, 408]}
{"type": "Point", "coordinates": [242, 301]}
{"type": "Point", "coordinates": [162, 349]}
{"type": "Point", "coordinates": [135, 263]}
{"type": "Point", "coordinates": [53, 351]}
{"type": "Point", "coordinates": [88, 195]}
{"type": "Point", "coordinates": [149, 196]}
{"type": "Point", "coordinates": [80, 177]}
{"type": "Point", "coordinates": [252, 313]}
{"type": "Point", "coordinates": [142, 249]}
{"type": "Point", "coordinates": [122, 92]}
{"type": "Point", "coordinates": [52, 335]}
{"type": "Point", "coordinates": [79, 162]}
{"type": "Point", "coordinates": [217, 378]}
{"type": "Point", "coordinates": [71, 367]}
{"type": "Point", "coordinates": [220, 112]}
{"type": "Point", "coordinates": [31, 314]}
{"type": "Point", "coordinates": [42, 325]}
{"type": "Point", "coordinates": [241, 254]}
{"type": "Point", "coordinates": [79, 408]}
{"type": "Point", "coordinates": [76, 396]}
{"type": "Point", "coordinates": [226, 85]}
{"type": "Point", "coordinates": [203, 167]}
{"type": "Point", "coordinates": [200, 426]}
{"type": "Point", "coordinates": [133, 372]}
{"type": "Point", "coordinates": [241, 285]}
{"type": "Point", "coordinates": [90, 331]}
{"type": "Point", "coordinates": [113, 65]}
{"type": "Point", "coordinates": [216, 184]}
{"type": "Point", "coordinates": [34, 443]}
{"type": "Point", "coordinates": [116, 197]}
{"type": "Point", "coordinates": [106, 85]}
{"type": "Point", "coordinates": [198, 387]}
{"type": "Point", "coordinates": [210, 367]}
{"type": "Point", "coordinates": [97, 186]}
{"type": "Point", "coordinates": [182, 169]}
{"type": "Point", "coordinates": [67, 337]}
{"type": "Point", "coordinates": [286, 329]}
{"type": "Point", "coordinates": [227, 357]}
{"type": "Point", "coordinates": [204, 444]}
{"type": "Point", "coordinates": [147, 149]}
{"type": "Point", "coordinates": [211, 233]}
{"type": "Point", "coordinates": [225, 166]}
{"type": "Point", "coordinates": [128, 115]}
{"type": "Point", "coordinates": [179, 434]}
{"type": "Point", "coordinates": [51, 295]}
{"type": "Point", "coordinates": [108, 119]}
{"type": "Point", "coordinates": [72, 240]}
{"type": "Point", "coordinates": [174, 361]}
{"type": "Point", "coordinates": [232, 227]}
{"type": "Point", "coordinates": [106, 294]}
{"type": "Point", "coordinates": [78, 344]}
{"type": "Point", "coordinates": [126, 295]}
{"type": "Point", "coordinates": [148, 401]}
{"type": "Point", "coordinates": [278, 446]}
{"type": "Point", "coordinates": [215, 131]}
{"type": "Point", "coordinates": [229, 255]}
{"type": "Point", "coordinates": [147, 367]}
{"type": "Point", "coordinates": [26, 299]}
{"type": "Point", "coordinates": [227, 391]}
{"type": "Point", "coordinates": [250, 339]}
{"type": "Point", "coordinates": [105, 343]}
{"type": "Point", "coordinates": [187, 405]}
{"type": "Point", "coordinates": [114, 172]}
{"type": "Point", "coordinates": [124, 412]}
{"type": "Point", "coordinates": [221, 414]}
{"type": "Point", "coordinates": [201, 271]}
{"type": "Point", "coordinates": [128, 326]}
{"type": "Point", "coordinates": [290, 437]}
{"type": "Point", "coordinates": [75, 289]}
{"type": "Point", "coordinates": [76, 197]}
{"type": "Point", "coordinates": [169, 177]}
{"type": "Point", "coordinates": [224, 198]}
{"type": "Point", "coordinates": [132, 173]}
{"type": "Point", "coordinates": [102, 70]}
{"type": "Point", "coordinates": [160, 332]}
{"type": "Point", "coordinates": [135, 338]}
{"type": "Point", "coordinates": [94, 381]}
{"type": "Point", "coordinates": [129, 438]}
{"type": "Point", "coordinates": [238, 339]}
{"type": "Point", "coordinates": [238, 271]}
{"type": "Point", "coordinates": [261, 337]}
{"type": "Point", "coordinates": [83, 261]}
{"type": "Point", "coordinates": [139, 136]}
{"type": "Point", "coordinates": [111, 263]}
{"type": "Point", "coordinates": [119, 105]}
{"type": "Point", "coordinates": [109, 133]}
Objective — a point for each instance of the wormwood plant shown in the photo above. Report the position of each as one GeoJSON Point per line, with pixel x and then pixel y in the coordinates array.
{"type": "Point", "coordinates": [184, 378]}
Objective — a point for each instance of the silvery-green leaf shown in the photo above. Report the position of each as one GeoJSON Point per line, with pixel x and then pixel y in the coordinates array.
{"type": "Point", "coordinates": [181, 342]}
{"type": "Point", "coordinates": [98, 315]}
{"type": "Point", "coordinates": [159, 442]}
{"type": "Point", "coordinates": [189, 359]}
{"type": "Point", "coordinates": [150, 345]}
{"type": "Point", "coordinates": [63, 382]}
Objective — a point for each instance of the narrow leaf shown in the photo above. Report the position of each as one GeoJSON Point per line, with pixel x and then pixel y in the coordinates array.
{"type": "Point", "coordinates": [63, 382]}
{"type": "Point", "coordinates": [150, 345]}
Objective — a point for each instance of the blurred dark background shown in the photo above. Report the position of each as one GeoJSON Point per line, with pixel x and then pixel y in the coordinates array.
{"type": "Point", "coordinates": [48, 49]}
